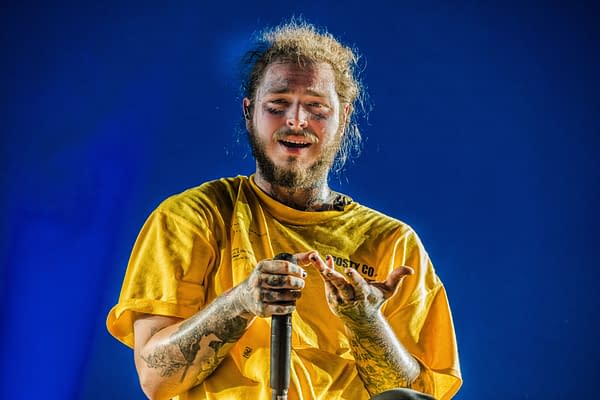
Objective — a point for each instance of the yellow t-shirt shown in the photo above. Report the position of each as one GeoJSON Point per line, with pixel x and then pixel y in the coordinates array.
{"type": "Point", "coordinates": [200, 243]}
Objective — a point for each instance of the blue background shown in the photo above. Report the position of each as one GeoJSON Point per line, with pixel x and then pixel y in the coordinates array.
{"type": "Point", "coordinates": [484, 136]}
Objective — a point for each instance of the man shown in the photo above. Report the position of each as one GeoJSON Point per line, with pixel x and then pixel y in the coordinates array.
{"type": "Point", "coordinates": [369, 315]}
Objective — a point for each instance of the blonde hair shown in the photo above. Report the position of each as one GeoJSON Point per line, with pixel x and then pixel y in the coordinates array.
{"type": "Point", "coordinates": [300, 42]}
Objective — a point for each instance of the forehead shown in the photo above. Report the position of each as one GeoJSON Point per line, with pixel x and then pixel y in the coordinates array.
{"type": "Point", "coordinates": [284, 77]}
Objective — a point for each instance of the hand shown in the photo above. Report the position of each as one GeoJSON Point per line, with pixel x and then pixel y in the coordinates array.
{"type": "Point", "coordinates": [272, 288]}
{"type": "Point", "coordinates": [349, 295]}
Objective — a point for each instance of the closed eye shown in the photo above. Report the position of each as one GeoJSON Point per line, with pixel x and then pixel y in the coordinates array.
{"type": "Point", "coordinates": [274, 111]}
{"type": "Point", "coordinates": [318, 110]}
{"type": "Point", "coordinates": [276, 106]}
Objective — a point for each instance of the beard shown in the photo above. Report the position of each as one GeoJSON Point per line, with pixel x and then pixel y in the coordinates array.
{"type": "Point", "coordinates": [293, 175]}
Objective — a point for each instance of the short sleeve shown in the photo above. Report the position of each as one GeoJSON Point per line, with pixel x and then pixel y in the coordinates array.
{"type": "Point", "coordinates": [423, 322]}
{"type": "Point", "coordinates": [166, 273]}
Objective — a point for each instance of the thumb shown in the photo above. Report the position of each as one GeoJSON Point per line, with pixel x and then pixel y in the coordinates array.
{"type": "Point", "coordinates": [396, 276]}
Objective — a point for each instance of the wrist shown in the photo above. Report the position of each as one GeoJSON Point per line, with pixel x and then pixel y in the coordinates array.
{"type": "Point", "coordinates": [361, 321]}
{"type": "Point", "coordinates": [235, 296]}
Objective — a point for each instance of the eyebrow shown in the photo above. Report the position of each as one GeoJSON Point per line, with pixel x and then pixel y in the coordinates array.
{"type": "Point", "coordinates": [286, 89]}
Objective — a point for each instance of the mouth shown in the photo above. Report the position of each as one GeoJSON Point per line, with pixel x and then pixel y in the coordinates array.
{"type": "Point", "coordinates": [294, 144]}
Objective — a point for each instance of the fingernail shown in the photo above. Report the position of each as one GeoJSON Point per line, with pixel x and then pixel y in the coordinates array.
{"type": "Point", "coordinates": [304, 274]}
{"type": "Point", "coordinates": [313, 258]}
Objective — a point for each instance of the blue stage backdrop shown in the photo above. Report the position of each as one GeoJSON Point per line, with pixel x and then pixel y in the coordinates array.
{"type": "Point", "coordinates": [483, 135]}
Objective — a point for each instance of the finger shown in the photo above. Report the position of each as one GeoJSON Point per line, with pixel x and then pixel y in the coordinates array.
{"type": "Point", "coordinates": [281, 297]}
{"type": "Point", "coordinates": [278, 309]}
{"type": "Point", "coordinates": [305, 258]}
{"type": "Point", "coordinates": [275, 281]}
{"type": "Point", "coordinates": [340, 287]}
{"type": "Point", "coordinates": [392, 282]}
{"type": "Point", "coordinates": [281, 267]}
{"type": "Point", "coordinates": [394, 278]}
{"type": "Point", "coordinates": [329, 259]}
{"type": "Point", "coordinates": [343, 289]}
{"type": "Point", "coordinates": [329, 288]}
{"type": "Point", "coordinates": [334, 277]}
{"type": "Point", "coordinates": [359, 284]}
{"type": "Point", "coordinates": [337, 284]}
{"type": "Point", "coordinates": [326, 269]}
{"type": "Point", "coordinates": [317, 261]}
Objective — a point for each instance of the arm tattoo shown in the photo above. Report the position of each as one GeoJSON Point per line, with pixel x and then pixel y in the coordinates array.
{"type": "Point", "coordinates": [381, 363]}
{"type": "Point", "coordinates": [162, 361]}
{"type": "Point", "coordinates": [210, 334]}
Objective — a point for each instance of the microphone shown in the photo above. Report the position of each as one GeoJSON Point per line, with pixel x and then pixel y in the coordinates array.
{"type": "Point", "coordinates": [281, 346]}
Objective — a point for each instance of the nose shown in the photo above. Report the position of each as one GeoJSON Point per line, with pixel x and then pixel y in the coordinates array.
{"type": "Point", "coordinates": [297, 118]}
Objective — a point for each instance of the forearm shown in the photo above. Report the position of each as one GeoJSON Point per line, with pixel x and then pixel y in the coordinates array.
{"type": "Point", "coordinates": [381, 360]}
{"type": "Point", "coordinates": [180, 356]}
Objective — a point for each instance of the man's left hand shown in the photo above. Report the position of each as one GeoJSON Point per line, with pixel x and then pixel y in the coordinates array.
{"type": "Point", "coordinates": [350, 296]}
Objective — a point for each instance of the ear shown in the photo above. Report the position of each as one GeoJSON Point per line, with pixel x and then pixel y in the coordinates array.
{"type": "Point", "coordinates": [247, 111]}
{"type": "Point", "coordinates": [246, 108]}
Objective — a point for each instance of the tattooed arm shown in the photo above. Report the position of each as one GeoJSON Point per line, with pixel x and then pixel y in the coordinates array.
{"type": "Point", "coordinates": [173, 355]}
{"type": "Point", "coordinates": [382, 361]}
{"type": "Point", "coordinates": [177, 355]}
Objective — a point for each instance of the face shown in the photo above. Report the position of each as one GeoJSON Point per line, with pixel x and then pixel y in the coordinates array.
{"type": "Point", "coordinates": [296, 124]}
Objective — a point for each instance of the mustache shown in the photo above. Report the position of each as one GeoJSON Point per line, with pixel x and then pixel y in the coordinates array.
{"type": "Point", "coordinates": [283, 133]}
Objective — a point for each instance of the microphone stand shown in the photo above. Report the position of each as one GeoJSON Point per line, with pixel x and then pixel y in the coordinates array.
{"type": "Point", "coordinates": [281, 346]}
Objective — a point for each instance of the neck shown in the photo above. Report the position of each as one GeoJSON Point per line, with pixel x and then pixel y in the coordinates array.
{"type": "Point", "coordinates": [317, 197]}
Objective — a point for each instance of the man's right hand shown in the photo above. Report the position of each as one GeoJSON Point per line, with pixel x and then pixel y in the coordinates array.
{"type": "Point", "coordinates": [272, 288]}
{"type": "Point", "coordinates": [172, 355]}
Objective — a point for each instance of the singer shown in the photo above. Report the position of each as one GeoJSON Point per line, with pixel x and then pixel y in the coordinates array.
{"type": "Point", "coordinates": [369, 316]}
